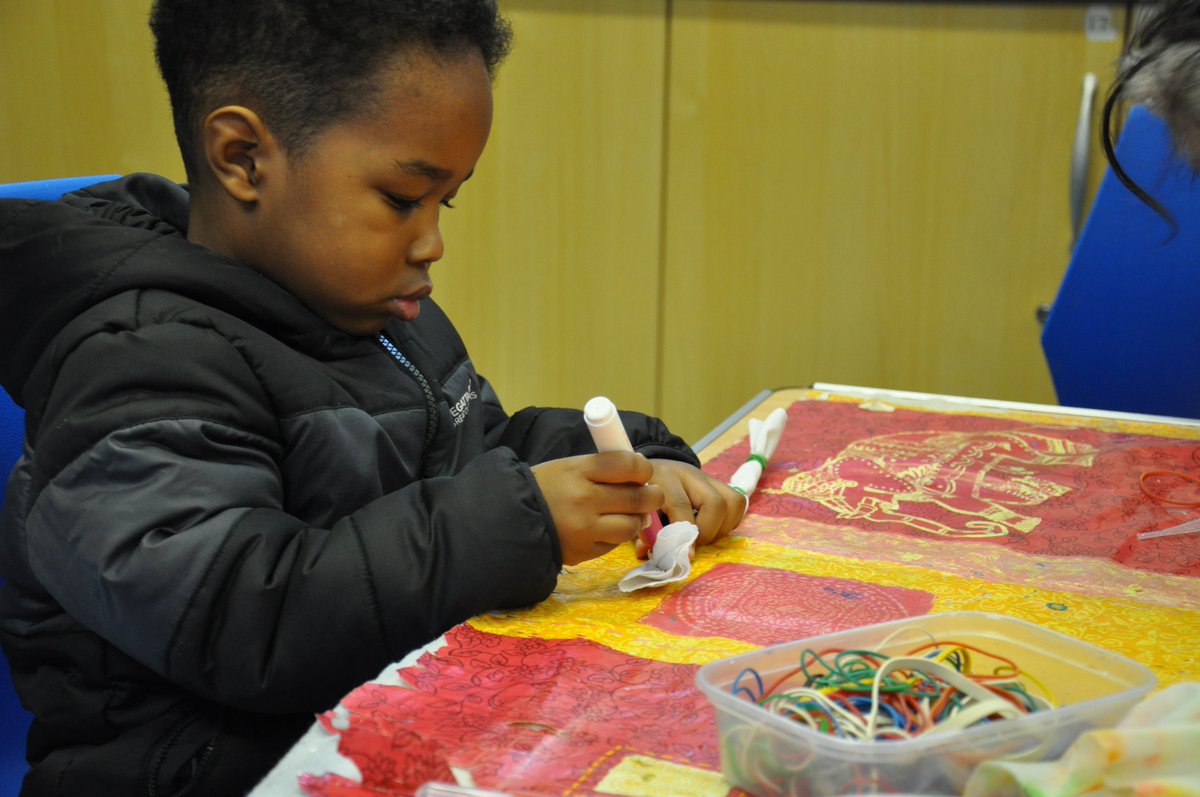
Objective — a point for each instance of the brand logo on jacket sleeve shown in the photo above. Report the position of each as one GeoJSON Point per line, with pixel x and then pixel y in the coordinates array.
{"type": "Point", "coordinates": [460, 408]}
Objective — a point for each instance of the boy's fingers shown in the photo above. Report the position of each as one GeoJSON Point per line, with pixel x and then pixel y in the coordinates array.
{"type": "Point", "coordinates": [709, 519]}
{"type": "Point", "coordinates": [739, 504]}
{"type": "Point", "coordinates": [677, 504]}
{"type": "Point", "coordinates": [720, 512]}
{"type": "Point", "coordinates": [735, 506]}
{"type": "Point", "coordinates": [618, 467]}
{"type": "Point", "coordinates": [626, 499]}
{"type": "Point", "coordinates": [595, 535]}
{"type": "Point", "coordinates": [709, 509]}
{"type": "Point", "coordinates": [615, 529]}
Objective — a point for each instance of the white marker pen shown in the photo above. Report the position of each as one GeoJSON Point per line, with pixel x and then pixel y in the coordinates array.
{"type": "Point", "coordinates": [602, 420]}
{"type": "Point", "coordinates": [608, 433]}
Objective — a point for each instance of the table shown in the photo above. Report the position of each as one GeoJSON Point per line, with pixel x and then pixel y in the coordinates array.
{"type": "Point", "coordinates": [877, 505]}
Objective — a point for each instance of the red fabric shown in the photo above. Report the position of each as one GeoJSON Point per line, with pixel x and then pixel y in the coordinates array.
{"type": "Point", "coordinates": [766, 606]}
{"type": "Point", "coordinates": [969, 466]}
{"type": "Point", "coordinates": [392, 760]}
{"type": "Point", "coordinates": [550, 717]}
{"type": "Point", "coordinates": [523, 714]}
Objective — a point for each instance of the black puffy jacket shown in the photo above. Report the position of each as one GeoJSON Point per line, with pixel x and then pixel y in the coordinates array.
{"type": "Point", "coordinates": [228, 513]}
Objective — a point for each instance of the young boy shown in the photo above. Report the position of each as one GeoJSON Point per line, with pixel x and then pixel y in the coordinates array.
{"type": "Point", "coordinates": [260, 465]}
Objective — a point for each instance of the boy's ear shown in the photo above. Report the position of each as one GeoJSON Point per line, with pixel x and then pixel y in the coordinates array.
{"type": "Point", "coordinates": [237, 147]}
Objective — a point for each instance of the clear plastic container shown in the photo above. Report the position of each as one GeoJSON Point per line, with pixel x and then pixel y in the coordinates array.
{"type": "Point", "coordinates": [768, 755]}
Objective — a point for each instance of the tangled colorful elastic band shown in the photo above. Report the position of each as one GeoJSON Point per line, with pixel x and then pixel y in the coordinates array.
{"type": "Point", "coordinates": [866, 695]}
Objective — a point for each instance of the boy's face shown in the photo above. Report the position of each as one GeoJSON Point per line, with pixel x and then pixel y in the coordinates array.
{"type": "Point", "coordinates": [351, 227]}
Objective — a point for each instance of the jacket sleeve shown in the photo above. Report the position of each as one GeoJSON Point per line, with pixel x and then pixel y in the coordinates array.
{"type": "Point", "coordinates": [155, 517]}
{"type": "Point", "coordinates": [538, 434]}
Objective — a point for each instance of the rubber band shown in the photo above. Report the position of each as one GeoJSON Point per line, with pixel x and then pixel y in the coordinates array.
{"type": "Point", "coordinates": [865, 695]}
{"type": "Point", "coordinates": [1173, 474]}
{"type": "Point", "coordinates": [757, 680]}
{"type": "Point", "coordinates": [759, 458]}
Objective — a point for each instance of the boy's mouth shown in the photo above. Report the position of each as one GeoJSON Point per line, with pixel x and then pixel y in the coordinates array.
{"type": "Point", "coordinates": [407, 308]}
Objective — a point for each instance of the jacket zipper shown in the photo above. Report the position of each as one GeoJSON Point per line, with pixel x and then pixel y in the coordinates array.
{"type": "Point", "coordinates": [431, 417]}
{"type": "Point", "coordinates": [201, 766]}
{"type": "Point", "coordinates": [177, 730]}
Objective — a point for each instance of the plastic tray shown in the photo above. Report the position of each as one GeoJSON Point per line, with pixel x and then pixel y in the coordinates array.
{"type": "Point", "coordinates": [767, 754]}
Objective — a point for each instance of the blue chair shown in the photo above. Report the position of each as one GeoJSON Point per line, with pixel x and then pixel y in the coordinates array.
{"type": "Point", "coordinates": [1124, 331]}
{"type": "Point", "coordinates": [51, 189]}
{"type": "Point", "coordinates": [14, 720]}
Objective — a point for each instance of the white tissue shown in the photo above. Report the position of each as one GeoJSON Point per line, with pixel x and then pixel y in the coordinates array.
{"type": "Point", "coordinates": [670, 559]}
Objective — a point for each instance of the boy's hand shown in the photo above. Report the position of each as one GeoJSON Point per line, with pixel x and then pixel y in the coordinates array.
{"type": "Point", "coordinates": [598, 501]}
{"type": "Point", "coordinates": [691, 494]}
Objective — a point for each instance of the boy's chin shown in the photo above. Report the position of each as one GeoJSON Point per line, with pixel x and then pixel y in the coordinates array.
{"type": "Point", "coordinates": [361, 328]}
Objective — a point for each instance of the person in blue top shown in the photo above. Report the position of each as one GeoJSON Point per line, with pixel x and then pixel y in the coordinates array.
{"type": "Point", "coordinates": [1160, 68]}
{"type": "Point", "coordinates": [259, 462]}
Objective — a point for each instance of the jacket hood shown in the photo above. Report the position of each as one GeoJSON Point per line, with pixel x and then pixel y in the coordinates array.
{"type": "Point", "coordinates": [58, 259]}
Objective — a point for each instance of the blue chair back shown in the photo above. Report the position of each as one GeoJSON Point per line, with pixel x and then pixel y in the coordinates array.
{"type": "Point", "coordinates": [14, 720]}
{"type": "Point", "coordinates": [1124, 331]}
{"type": "Point", "coordinates": [51, 189]}
{"type": "Point", "coordinates": [12, 433]}
{"type": "Point", "coordinates": [12, 419]}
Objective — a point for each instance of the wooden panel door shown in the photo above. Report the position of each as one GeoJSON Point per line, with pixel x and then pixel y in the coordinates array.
{"type": "Point", "coordinates": [552, 255]}
{"type": "Point", "coordinates": [866, 193]}
{"type": "Point", "coordinates": [81, 94]}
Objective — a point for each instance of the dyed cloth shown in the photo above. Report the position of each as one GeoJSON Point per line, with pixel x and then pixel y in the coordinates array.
{"type": "Point", "coordinates": [1155, 750]}
{"type": "Point", "coordinates": [861, 517]}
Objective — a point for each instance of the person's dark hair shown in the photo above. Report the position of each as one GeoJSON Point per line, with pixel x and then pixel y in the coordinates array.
{"type": "Point", "coordinates": [303, 63]}
{"type": "Point", "coordinates": [1160, 68]}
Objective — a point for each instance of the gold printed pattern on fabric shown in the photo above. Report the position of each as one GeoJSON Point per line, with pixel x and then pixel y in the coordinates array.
{"type": "Point", "coordinates": [985, 477]}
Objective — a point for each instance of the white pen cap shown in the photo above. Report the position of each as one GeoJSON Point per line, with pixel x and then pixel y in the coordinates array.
{"type": "Point", "coordinates": [599, 411]}
{"type": "Point", "coordinates": [600, 414]}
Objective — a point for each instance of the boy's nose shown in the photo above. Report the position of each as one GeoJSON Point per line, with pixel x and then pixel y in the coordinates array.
{"type": "Point", "coordinates": [427, 247]}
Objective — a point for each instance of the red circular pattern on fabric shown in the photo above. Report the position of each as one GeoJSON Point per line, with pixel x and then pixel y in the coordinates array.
{"type": "Point", "coordinates": [766, 606]}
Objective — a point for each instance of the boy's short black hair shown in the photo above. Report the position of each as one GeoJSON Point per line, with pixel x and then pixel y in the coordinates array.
{"type": "Point", "coordinates": [302, 63]}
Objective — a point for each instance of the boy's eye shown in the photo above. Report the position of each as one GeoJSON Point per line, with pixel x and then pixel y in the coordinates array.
{"type": "Point", "coordinates": [402, 204]}
{"type": "Point", "coordinates": [409, 205]}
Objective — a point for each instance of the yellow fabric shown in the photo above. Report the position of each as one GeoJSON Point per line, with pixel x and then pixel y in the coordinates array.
{"type": "Point", "coordinates": [1149, 617]}
{"type": "Point", "coordinates": [588, 605]}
